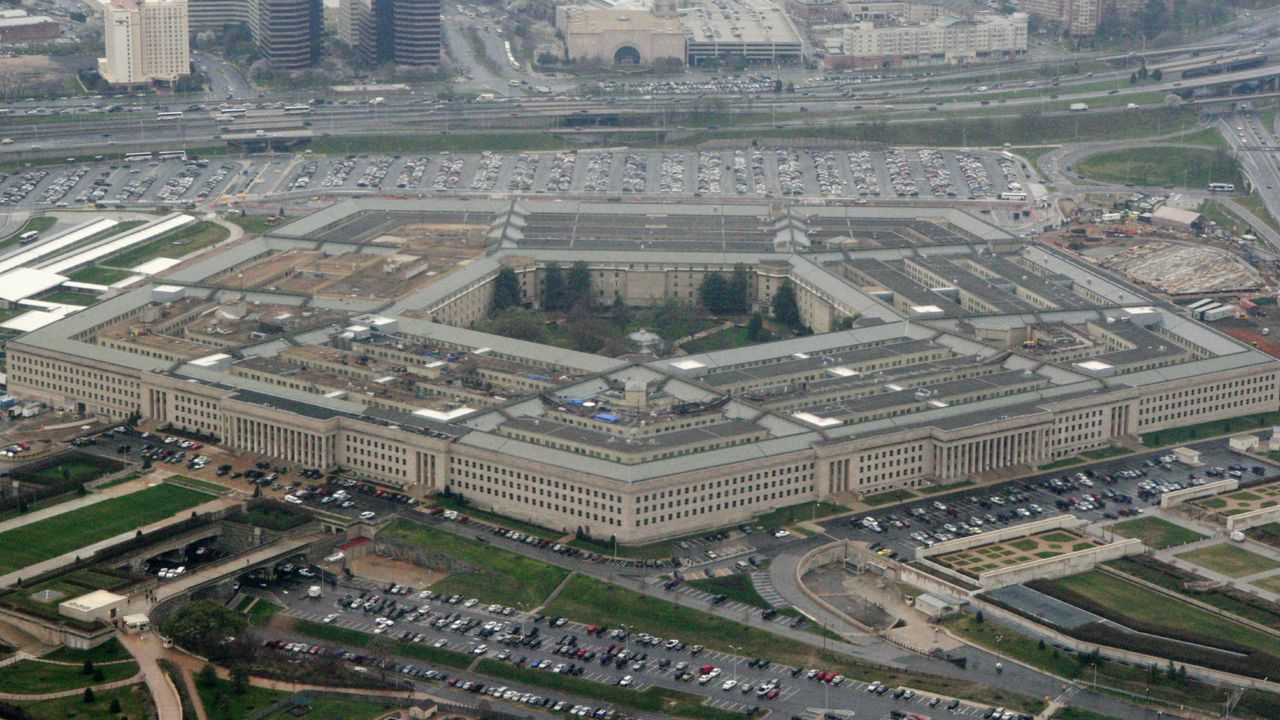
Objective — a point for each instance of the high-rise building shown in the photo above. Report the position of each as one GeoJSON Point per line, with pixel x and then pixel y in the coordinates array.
{"type": "Point", "coordinates": [983, 37]}
{"type": "Point", "coordinates": [287, 32]}
{"type": "Point", "coordinates": [145, 41]}
{"type": "Point", "coordinates": [403, 32]}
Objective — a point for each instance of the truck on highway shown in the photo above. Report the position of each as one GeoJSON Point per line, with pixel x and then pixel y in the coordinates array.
{"type": "Point", "coordinates": [1078, 107]}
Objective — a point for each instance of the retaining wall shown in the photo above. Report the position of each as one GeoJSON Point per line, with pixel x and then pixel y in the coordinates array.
{"type": "Point", "coordinates": [1056, 522]}
{"type": "Point", "coordinates": [1253, 518]}
{"type": "Point", "coordinates": [1060, 566]}
{"type": "Point", "coordinates": [1177, 497]}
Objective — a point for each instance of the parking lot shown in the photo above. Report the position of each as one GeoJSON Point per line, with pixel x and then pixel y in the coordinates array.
{"type": "Point", "coordinates": [1103, 491]}
{"type": "Point", "coordinates": [611, 656]}
{"type": "Point", "coordinates": [169, 182]}
{"type": "Point", "coordinates": [748, 172]}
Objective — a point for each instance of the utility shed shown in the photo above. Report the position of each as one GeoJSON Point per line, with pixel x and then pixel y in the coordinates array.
{"type": "Point", "coordinates": [1175, 218]}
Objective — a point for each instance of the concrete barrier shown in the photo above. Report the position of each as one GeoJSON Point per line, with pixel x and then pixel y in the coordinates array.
{"type": "Point", "coordinates": [833, 552]}
{"type": "Point", "coordinates": [1057, 522]}
{"type": "Point", "coordinates": [1177, 497]}
{"type": "Point", "coordinates": [1253, 518]}
{"type": "Point", "coordinates": [1059, 566]}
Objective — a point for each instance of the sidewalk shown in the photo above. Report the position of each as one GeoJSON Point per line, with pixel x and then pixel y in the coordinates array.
{"type": "Point", "coordinates": [146, 648]}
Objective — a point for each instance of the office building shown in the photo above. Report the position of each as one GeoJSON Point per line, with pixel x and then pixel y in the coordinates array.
{"type": "Point", "coordinates": [968, 351]}
{"type": "Point", "coordinates": [19, 26]}
{"type": "Point", "coordinates": [944, 41]}
{"type": "Point", "coordinates": [401, 32]}
{"type": "Point", "coordinates": [288, 33]}
{"type": "Point", "coordinates": [1076, 18]}
{"type": "Point", "coordinates": [146, 41]}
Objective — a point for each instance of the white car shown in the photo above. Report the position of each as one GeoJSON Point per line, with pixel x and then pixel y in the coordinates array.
{"type": "Point", "coordinates": [782, 533]}
{"type": "Point", "coordinates": [624, 682]}
{"type": "Point", "coordinates": [368, 515]}
{"type": "Point", "coordinates": [293, 499]}
{"type": "Point", "coordinates": [729, 685]}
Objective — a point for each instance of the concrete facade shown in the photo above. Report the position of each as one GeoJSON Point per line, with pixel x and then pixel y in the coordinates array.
{"type": "Point", "coordinates": [145, 41]}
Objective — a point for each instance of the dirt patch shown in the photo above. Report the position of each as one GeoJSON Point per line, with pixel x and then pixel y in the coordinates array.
{"type": "Point", "coordinates": [386, 570]}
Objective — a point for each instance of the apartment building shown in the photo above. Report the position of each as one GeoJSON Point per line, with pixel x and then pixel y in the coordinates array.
{"type": "Point", "coordinates": [146, 41]}
{"type": "Point", "coordinates": [1077, 18]}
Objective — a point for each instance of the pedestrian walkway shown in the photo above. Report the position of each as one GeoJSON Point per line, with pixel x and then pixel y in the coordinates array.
{"type": "Point", "coordinates": [146, 649]}
{"type": "Point", "coordinates": [763, 584]}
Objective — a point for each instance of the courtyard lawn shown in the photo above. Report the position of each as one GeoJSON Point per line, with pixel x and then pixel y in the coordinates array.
{"type": "Point", "coordinates": [32, 676]}
{"type": "Point", "coordinates": [176, 244]}
{"type": "Point", "coordinates": [1230, 560]}
{"type": "Point", "coordinates": [108, 651]}
{"type": "Point", "coordinates": [98, 275]}
{"type": "Point", "coordinates": [134, 701]}
{"type": "Point", "coordinates": [887, 497]}
{"type": "Point", "coordinates": [54, 536]}
{"type": "Point", "coordinates": [494, 575]}
{"type": "Point", "coordinates": [1156, 533]}
{"type": "Point", "coordinates": [76, 469]}
{"type": "Point", "coordinates": [803, 512]}
{"type": "Point", "coordinates": [1122, 599]}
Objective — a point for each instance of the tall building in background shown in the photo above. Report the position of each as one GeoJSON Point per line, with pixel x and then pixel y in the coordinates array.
{"type": "Point", "coordinates": [1078, 18]}
{"type": "Point", "coordinates": [145, 42]}
{"type": "Point", "coordinates": [287, 33]}
{"type": "Point", "coordinates": [402, 32]}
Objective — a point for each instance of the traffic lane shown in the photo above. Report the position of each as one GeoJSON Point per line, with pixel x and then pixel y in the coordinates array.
{"type": "Point", "coordinates": [924, 514]}
{"type": "Point", "coordinates": [798, 694]}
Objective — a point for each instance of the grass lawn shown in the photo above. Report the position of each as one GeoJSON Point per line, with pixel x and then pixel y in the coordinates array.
{"type": "Point", "coordinates": [38, 224]}
{"type": "Point", "coordinates": [937, 489]}
{"type": "Point", "coordinates": [802, 512]}
{"type": "Point", "coordinates": [1123, 599]}
{"type": "Point", "coordinates": [592, 601]}
{"type": "Point", "coordinates": [176, 244]}
{"type": "Point", "coordinates": [495, 575]}
{"type": "Point", "coordinates": [1020, 647]}
{"type": "Point", "coordinates": [356, 639]}
{"type": "Point", "coordinates": [72, 469]}
{"type": "Point", "coordinates": [69, 297]}
{"type": "Point", "coordinates": [437, 142]}
{"type": "Point", "coordinates": [51, 537]}
{"type": "Point", "coordinates": [1238, 603]}
{"type": "Point", "coordinates": [453, 503]}
{"type": "Point", "coordinates": [134, 701]}
{"type": "Point", "coordinates": [31, 677]}
{"type": "Point", "coordinates": [888, 496]}
{"type": "Point", "coordinates": [1156, 533]}
{"type": "Point", "coordinates": [106, 652]}
{"type": "Point", "coordinates": [257, 223]}
{"type": "Point", "coordinates": [737, 586]}
{"type": "Point", "coordinates": [655, 699]}
{"type": "Point", "coordinates": [1225, 218]}
{"type": "Point", "coordinates": [1230, 560]}
{"type": "Point", "coordinates": [262, 612]}
{"type": "Point", "coordinates": [98, 275]}
{"type": "Point", "coordinates": [324, 708]}
{"type": "Point", "coordinates": [1253, 203]}
{"type": "Point", "coordinates": [1170, 165]}
{"type": "Point", "coordinates": [734, 337]}
{"type": "Point", "coordinates": [1110, 451]}
{"type": "Point", "coordinates": [1200, 431]}
{"type": "Point", "coordinates": [1033, 154]}
{"type": "Point", "coordinates": [1061, 463]}
{"type": "Point", "coordinates": [222, 703]}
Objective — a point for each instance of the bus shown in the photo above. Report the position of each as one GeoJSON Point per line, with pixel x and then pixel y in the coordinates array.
{"type": "Point", "coordinates": [28, 237]}
{"type": "Point", "coordinates": [135, 156]}
{"type": "Point", "coordinates": [1221, 187]}
{"type": "Point", "coordinates": [173, 115]}
{"type": "Point", "coordinates": [297, 109]}
{"type": "Point", "coordinates": [172, 155]}
{"type": "Point", "coordinates": [1018, 196]}
{"type": "Point", "coordinates": [232, 111]}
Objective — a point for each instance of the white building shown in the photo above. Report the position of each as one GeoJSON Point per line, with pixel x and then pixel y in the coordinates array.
{"type": "Point", "coordinates": [947, 40]}
{"type": "Point", "coordinates": [145, 41]}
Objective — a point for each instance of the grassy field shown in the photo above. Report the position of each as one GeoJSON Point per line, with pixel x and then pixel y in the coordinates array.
{"type": "Point", "coordinates": [1110, 451]}
{"type": "Point", "coordinates": [71, 469]}
{"type": "Point", "coordinates": [98, 275]}
{"type": "Point", "coordinates": [888, 496]}
{"type": "Point", "coordinates": [1061, 463]}
{"type": "Point", "coordinates": [1187, 433]}
{"type": "Point", "coordinates": [51, 537]}
{"type": "Point", "coordinates": [31, 677]}
{"type": "Point", "coordinates": [38, 224]}
{"type": "Point", "coordinates": [1230, 560]}
{"type": "Point", "coordinates": [496, 575]}
{"type": "Point", "coordinates": [802, 512]}
{"type": "Point", "coordinates": [257, 223]}
{"type": "Point", "coordinates": [355, 638]}
{"type": "Point", "coordinates": [262, 612]}
{"type": "Point", "coordinates": [1156, 533]}
{"type": "Point", "coordinates": [737, 586]}
{"type": "Point", "coordinates": [453, 503]}
{"type": "Point", "coordinates": [69, 297]}
{"type": "Point", "coordinates": [734, 337]}
{"type": "Point", "coordinates": [437, 142]}
{"type": "Point", "coordinates": [222, 703]}
{"type": "Point", "coordinates": [176, 244]}
{"type": "Point", "coordinates": [1167, 165]}
{"type": "Point", "coordinates": [673, 703]}
{"type": "Point", "coordinates": [106, 652]}
{"type": "Point", "coordinates": [592, 601]}
{"type": "Point", "coordinates": [1236, 602]}
{"type": "Point", "coordinates": [1253, 203]}
{"type": "Point", "coordinates": [134, 701]}
{"type": "Point", "coordinates": [1123, 599]}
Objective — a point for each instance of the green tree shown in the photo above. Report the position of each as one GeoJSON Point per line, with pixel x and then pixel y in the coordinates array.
{"type": "Point", "coordinates": [204, 627]}
{"type": "Point", "coordinates": [98, 675]}
{"type": "Point", "coordinates": [577, 286]}
{"type": "Point", "coordinates": [739, 289]}
{"type": "Point", "coordinates": [506, 290]}
{"type": "Point", "coordinates": [785, 309]}
{"type": "Point", "coordinates": [1157, 75]}
{"type": "Point", "coordinates": [240, 679]}
{"type": "Point", "coordinates": [553, 292]}
{"type": "Point", "coordinates": [619, 311]}
{"type": "Point", "coordinates": [22, 504]}
{"type": "Point", "coordinates": [87, 669]}
{"type": "Point", "coordinates": [1182, 674]}
{"type": "Point", "coordinates": [207, 677]}
{"type": "Point", "coordinates": [1170, 671]}
{"type": "Point", "coordinates": [114, 707]}
{"type": "Point", "coordinates": [713, 293]}
{"type": "Point", "coordinates": [755, 327]}
{"type": "Point", "coordinates": [88, 696]}
{"type": "Point", "coordinates": [979, 618]}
